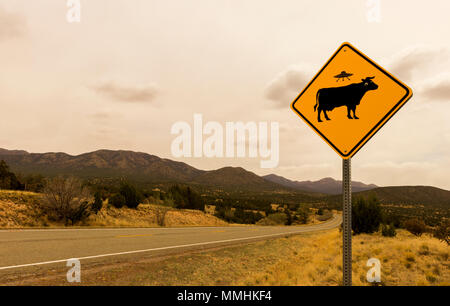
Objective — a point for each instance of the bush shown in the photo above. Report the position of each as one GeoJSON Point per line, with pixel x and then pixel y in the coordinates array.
{"type": "Point", "coordinates": [392, 218]}
{"type": "Point", "coordinates": [326, 215]}
{"type": "Point", "coordinates": [8, 180]}
{"type": "Point", "coordinates": [302, 215]}
{"type": "Point", "coordinates": [415, 226]}
{"type": "Point", "coordinates": [185, 198]}
{"type": "Point", "coordinates": [442, 231]}
{"type": "Point", "coordinates": [130, 194]}
{"type": "Point", "coordinates": [238, 215]}
{"type": "Point", "coordinates": [288, 217]}
{"type": "Point", "coordinates": [117, 200]}
{"type": "Point", "coordinates": [245, 217]}
{"type": "Point", "coordinates": [388, 230]}
{"type": "Point", "coordinates": [32, 182]}
{"type": "Point", "coordinates": [274, 219]}
{"type": "Point", "coordinates": [225, 213]}
{"type": "Point", "coordinates": [98, 203]}
{"type": "Point", "coordinates": [366, 215]}
{"type": "Point", "coordinates": [161, 213]}
{"type": "Point", "coordinates": [66, 199]}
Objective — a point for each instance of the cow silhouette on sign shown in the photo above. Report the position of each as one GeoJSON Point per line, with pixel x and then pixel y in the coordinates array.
{"type": "Point", "coordinates": [329, 98]}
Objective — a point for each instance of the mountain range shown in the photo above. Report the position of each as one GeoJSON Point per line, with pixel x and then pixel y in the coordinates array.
{"type": "Point", "coordinates": [136, 166]}
{"type": "Point", "coordinates": [143, 167]}
{"type": "Point", "coordinates": [326, 185]}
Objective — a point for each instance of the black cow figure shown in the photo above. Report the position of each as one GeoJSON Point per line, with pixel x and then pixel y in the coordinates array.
{"type": "Point", "coordinates": [329, 98]}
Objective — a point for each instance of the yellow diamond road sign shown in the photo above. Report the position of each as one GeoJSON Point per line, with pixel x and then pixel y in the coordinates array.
{"type": "Point", "coordinates": [349, 100]}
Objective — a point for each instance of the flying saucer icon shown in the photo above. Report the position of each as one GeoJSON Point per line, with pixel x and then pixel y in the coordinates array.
{"type": "Point", "coordinates": [342, 76]}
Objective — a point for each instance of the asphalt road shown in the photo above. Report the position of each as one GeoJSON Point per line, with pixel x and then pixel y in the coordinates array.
{"type": "Point", "coordinates": [41, 247]}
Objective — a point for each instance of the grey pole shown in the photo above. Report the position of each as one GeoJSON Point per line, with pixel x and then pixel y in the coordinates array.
{"type": "Point", "coordinates": [347, 222]}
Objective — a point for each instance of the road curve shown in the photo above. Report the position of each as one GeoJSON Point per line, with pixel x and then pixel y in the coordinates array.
{"type": "Point", "coordinates": [37, 247]}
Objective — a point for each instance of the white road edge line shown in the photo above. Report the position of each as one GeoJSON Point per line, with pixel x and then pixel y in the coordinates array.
{"type": "Point", "coordinates": [16, 230]}
{"type": "Point", "coordinates": [167, 248]}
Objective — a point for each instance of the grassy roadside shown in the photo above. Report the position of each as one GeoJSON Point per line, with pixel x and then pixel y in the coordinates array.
{"type": "Point", "coordinates": [307, 259]}
{"type": "Point", "coordinates": [17, 211]}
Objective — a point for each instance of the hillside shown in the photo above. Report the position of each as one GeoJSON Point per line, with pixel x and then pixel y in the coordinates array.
{"type": "Point", "coordinates": [407, 195]}
{"type": "Point", "coordinates": [18, 210]}
{"type": "Point", "coordinates": [425, 202]}
{"type": "Point", "coordinates": [102, 163]}
{"type": "Point", "coordinates": [326, 185]}
{"type": "Point", "coordinates": [235, 177]}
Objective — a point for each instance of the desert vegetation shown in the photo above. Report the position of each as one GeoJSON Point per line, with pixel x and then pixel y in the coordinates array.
{"type": "Point", "coordinates": [65, 199]}
{"type": "Point", "coordinates": [20, 209]}
{"type": "Point", "coordinates": [69, 200]}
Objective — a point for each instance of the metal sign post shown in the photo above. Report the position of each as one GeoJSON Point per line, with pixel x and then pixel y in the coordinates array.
{"type": "Point", "coordinates": [347, 222]}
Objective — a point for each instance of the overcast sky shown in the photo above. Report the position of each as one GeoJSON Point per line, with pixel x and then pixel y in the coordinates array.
{"type": "Point", "coordinates": [131, 68]}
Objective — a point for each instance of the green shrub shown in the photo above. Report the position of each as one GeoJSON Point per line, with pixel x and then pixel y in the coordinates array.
{"type": "Point", "coordinates": [117, 200]}
{"type": "Point", "coordinates": [277, 218]}
{"type": "Point", "coordinates": [8, 180]}
{"type": "Point", "coordinates": [442, 231]}
{"type": "Point", "coordinates": [130, 194]}
{"type": "Point", "coordinates": [289, 218]}
{"type": "Point", "coordinates": [388, 230]}
{"type": "Point", "coordinates": [238, 215]}
{"type": "Point", "coordinates": [98, 203]}
{"type": "Point", "coordinates": [326, 215]}
{"type": "Point", "coordinates": [185, 198]}
{"type": "Point", "coordinates": [366, 215]}
{"type": "Point", "coordinates": [302, 215]}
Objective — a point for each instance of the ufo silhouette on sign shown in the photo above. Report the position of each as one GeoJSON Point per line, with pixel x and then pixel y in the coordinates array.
{"type": "Point", "coordinates": [342, 76]}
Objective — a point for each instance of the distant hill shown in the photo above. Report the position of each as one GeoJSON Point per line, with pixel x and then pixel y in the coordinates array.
{"type": "Point", "coordinates": [136, 166]}
{"type": "Point", "coordinates": [106, 163]}
{"type": "Point", "coordinates": [411, 195]}
{"type": "Point", "coordinates": [326, 185]}
{"type": "Point", "coordinates": [235, 176]}
{"type": "Point", "coordinates": [428, 203]}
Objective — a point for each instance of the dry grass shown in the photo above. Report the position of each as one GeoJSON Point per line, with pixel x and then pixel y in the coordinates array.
{"type": "Point", "coordinates": [17, 211]}
{"type": "Point", "coordinates": [145, 216]}
{"type": "Point", "coordinates": [405, 260]}
{"type": "Point", "coordinates": [308, 259]}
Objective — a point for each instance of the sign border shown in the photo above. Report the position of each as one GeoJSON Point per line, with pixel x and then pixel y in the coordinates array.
{"type": "Point", "coordinates": [377, 126]}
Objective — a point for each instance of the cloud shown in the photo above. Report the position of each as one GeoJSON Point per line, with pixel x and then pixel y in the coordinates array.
{"type": "Point", "coordinates": [413, 63]}
{"type": "Point", "coordinates": [437, 88]}
{"type": "Point", "coordinates": [288, 84]}
{"type": "Point", "coordinates": [127, 93]}
{"type": "Point", "coordinates": [11, 25]}
{"type": "Point", "coordinates": [418, 61]}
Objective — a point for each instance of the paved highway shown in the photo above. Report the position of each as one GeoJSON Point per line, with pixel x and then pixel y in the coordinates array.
{"type": "Point", "coordinates": [40, 247]}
